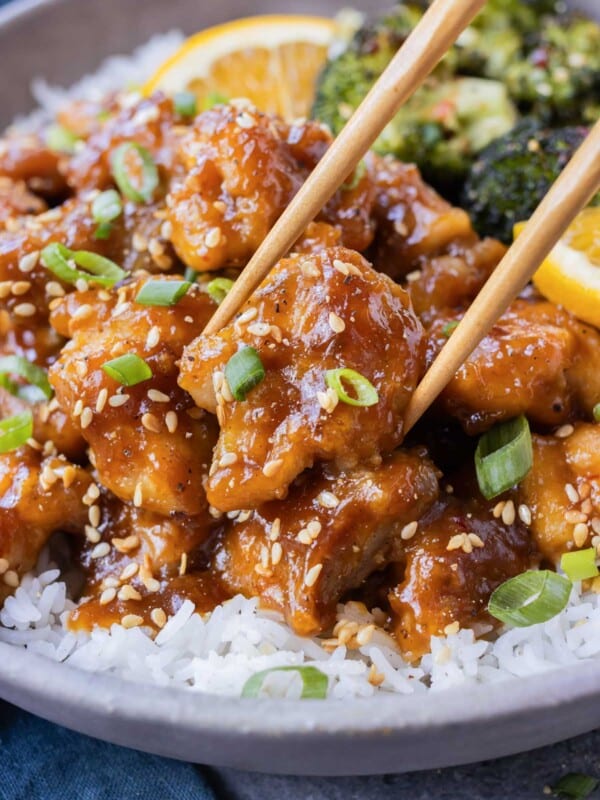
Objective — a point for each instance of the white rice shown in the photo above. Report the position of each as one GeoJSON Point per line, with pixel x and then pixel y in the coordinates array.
{"type": "Point", "coordinates": [217, 653]}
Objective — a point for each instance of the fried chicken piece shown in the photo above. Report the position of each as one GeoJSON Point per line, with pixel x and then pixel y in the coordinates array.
{"type": "Point", "coordinates": [38, 496]}
{"type": "Point", "coordinates": [302, 554]}
{"type": "Point", "coordinates": [458, 556]}
{"type": "Point", "coordinates": [26, 157]}
{"type": "Point", "coordinates": [147, 566]}
{"type": "Point", "coordinates": [537, 360]}
{"type": "Point", "coordinates": [16, 200]}
{"type": "Point", "coordinates": [328, 311]}
{"type": "Point", "coordinates": [239, 170]}
{"type": "Point", "coordinates": [149, 444]}
{"type": "Point", "coordinates": [562, 491]}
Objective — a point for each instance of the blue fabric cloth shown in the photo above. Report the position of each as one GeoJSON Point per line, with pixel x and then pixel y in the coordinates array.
{"type": "Point", "coordinates": [41, 761]}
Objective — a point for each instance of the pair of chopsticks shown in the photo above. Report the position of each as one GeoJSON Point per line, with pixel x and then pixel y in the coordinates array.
{"type": "Point", "coordinates": [423, 49]}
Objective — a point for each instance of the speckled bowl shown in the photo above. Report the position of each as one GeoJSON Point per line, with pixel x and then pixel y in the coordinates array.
{"type": "Point", "coordinates": [63, 39]}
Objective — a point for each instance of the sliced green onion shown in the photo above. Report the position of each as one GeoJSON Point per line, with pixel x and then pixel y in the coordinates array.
{"type": "Point", "coordinates": [243, 372]}
{"type": "Point", "coordinates": [213, 99]}
{"type": "Point", "coordinates": [57, 258]}
{"type": "Point", "coordinates": [8, 384]}
{"type": "Point", "coordinates": [162, 293]}
{"type": "Point", "coordinates": [596, 412]}
{"type": "Point", "coordinates": [61, 139]}
{"type": "Point", "coordinates": [314, 682]}
{"type": "Point", "coordinates": [34, 375]}
{"type": "Point", "coordinates": [580, 564]}
{"type": "Point", "coordinates": [356, 177]}
{"type": "Point", "coordinates": [129, 369]}
{"type": "Point", "coordinates": [219, 288]}
{"type": "Point", "coordinates": [106, 207]}
{"type": "Point", "coordinates": [364, 391]}
{"type": "Point", "coordinates": [185, 104]}
{"type": "Point", "coordinates": [503, 457]}
{"type": "Point", "coordinates": [122, 174]}
{"type": "Point", "coordinates": [530, 598]}
{"type": "Point", "coordinates": [190, 274]}
{"type": "Point", "coordinates": [15, 431]}
{"type": "Point", "coordinates": [575, 786]}
{"type": "Point", "coordinates": [448, 328]}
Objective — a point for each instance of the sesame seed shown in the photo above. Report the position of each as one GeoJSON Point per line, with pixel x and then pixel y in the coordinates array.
{"type": "Point", "coordinates": [81, 368]}
{"type": "Point", "coordinates": [127, 592]}
{"type": "Point", "coordinates": [456, 542]}
{"type": "Point", "coordinates": [183, 564]}
{"type": "Point", "coordinates": [226, 391]}
{"type": "Point", "coordinates": [101, 400]}
{"type": "Point", "coordinates": [213, 238]}
{"type": "Point", "coordinates": [247, 315]}
{"type": "Point", "coordinates": [365, 634]}
{"type": "Point", "coordinates": [580, 534]}
{"type": "Point", "coordinates": [20, 287]}
{"type": "Point", "coordinates": [327, 500]}
{"type": "Point", "coordinates": [137, 495]}
{"type": "Point", "coordinates": [408, 531]}
{"type": "Point", "coordinates": [595, 523]}
{"type": "Point", "coordinates": [24, 309]}
{"type": "Point", "coordinates": [153, 337]}
{"type": "Point", "coordinates": [571, 493]}
{"type": "Point", "coordinates": [11, 578]}
{"type": "Point", "coordinates": [259, 329]}
{"type": "Point", "coordinates": [166, 229]}
{"type": "Point", "coordinates": [309, 269]}
{"type": "Point", "coordinates": [151, 584]}
{"type": "Point", "coordinates": [100, 550]}
{"type": "Point", "coordinates": [158, 617]}
{"type": "Point", "coordinates": [525, 514]}
{"type": "Point", "coordinates": [220, 206]}
{"type": "Point", "coordinates": [245, 120]}
{"type": "Point", "coordinates": [227, 459]}
{"type": "Point", "coordinates": [271, 467]}
{"type": "Point", "coordinates": [5, 287]}
{"type": "Point", "coordinates": [93, 492]}
{"type": "Point", "coordinates": [118, 400]}
{"type": "Point", "coordinates": [28, 262]}
{"type": "Point", "coordinates": [4, 565]}
{"type": "Point", "coordinates": [275, 529]}
{"type": "Point", "coordinates": [475, 540]}
{"type": "Point", "coordinates": [151, 423]}
{"type": "Point", "coordinates": [312, 575]}
{"type": "Point", "coordinates": [564, 431]}
{"type": "Point", "coordinates": [127, 544]}
{"type": "Point", "coordinates": [86, 417]}
{"type": "Point", "coordinates": [78, 408]}
{"type": "Point", "coordinates": [94, 515]}
{"type": "Point", "coordinates": [341, 266]}
{"type": "Point", "coordinates": [304, 537]}
{"type": "Point", "coordinates": [84, 310]}
{"type": "Point", "coordinates": [452, 628]}
{"type": "Point", "coordinates": [328, 400]}
{"type": "Point", "coordinates": [171, 421]}
{"type": "Point", "coordinates": [68, 476]}
{"type": "Point", "coordinates": [129, 571]}
{"type": "Point", "coordinates": [92, 534]}
{"type": "Point", "coordinates": [54, 289]}
{"type": "Point", "coordinates": [336, 323]}
{"type": "Point", "coordinates": [276, 553]}
{"type": "Point", "coordinates": [584, 490]}
{"type": "Point", "coordinates": [107, 596]}
{"type": "Point", "coordinates": [81, 285]}
{"type": "Point", "coordinates": [131, 621]}
{"type": "Point", "coordinates": [158, 397]}
{"type": "Point", "coordinates": [508, 513]}
{"type": "Point", "coordinates": [139, 242]}
{"type": "Point", "coordinates": [573, 517]}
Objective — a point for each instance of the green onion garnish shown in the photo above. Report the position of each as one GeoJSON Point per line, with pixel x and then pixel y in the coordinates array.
{"type": "Point", "coordinates": [530, 598]}
{"type": "Point", "coordinates": [190, 274]}
{"type": "Point", "coordinates": [243, 372]}
{"type": "Point", "coordinates": [356, 177]}
{"type": "Point", "coordinates": [580, 564]}
{"type": "Point", "coordinates": [57, 258]}
{"type": "Point", "coordinates": [8, 384]}
{"type": "Point", "coordinates": [121, 171]}
{"type": "Point", "coordinates": [214, 99]}
{"type": "Point", "coordinates": [34, 375]}
{"type": "Point", "coordinates": [596, 412]}
{"type": "Point", "coordinates": [185, 104]}
{"type": "Point", "coordinates": [575, 786]}
{"type": "Point", "coordinates": [60, 139]}
{"type": "Point", "coordinates": [219, 288]}
{"type": "Point", "coordinates": [106, 207]}
{"type": "Point", "coordinates": [364, 391]}
{"type": "Point", "coordinates": [129, 369]}
{"type": "Point", "coordinates": [162, 293]}
{"type": "Point", "coordinates": [448, 328]}
{"type": "Point", "coordinates": [314, 682]}
{"type": "Point", "coordinates": [503, 457]}
{"type": "Point", "coordinates": [14, 431]}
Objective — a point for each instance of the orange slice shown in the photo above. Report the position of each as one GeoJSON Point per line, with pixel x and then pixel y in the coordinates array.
{"type": "Point", "coordinates": [570, 275]}
{"type": "Point", "coordinates": [272, 60]}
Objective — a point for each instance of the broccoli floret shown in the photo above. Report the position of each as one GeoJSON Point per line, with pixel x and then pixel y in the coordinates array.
{"type": "Point", "coordinates": [509, 178]}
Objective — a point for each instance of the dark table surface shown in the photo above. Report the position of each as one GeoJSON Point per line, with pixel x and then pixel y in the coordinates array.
{"type": "Point", "coordinates": [522, 777]}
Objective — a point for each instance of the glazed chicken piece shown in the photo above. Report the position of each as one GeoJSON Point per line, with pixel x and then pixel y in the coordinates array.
{"type": "Point", "coordinates": [148, 442]}
{"type": "Point", "coordinates": [537, 360]}
{"type": "Point", "coordinates": [146, 568]}
{"type": "Point", "coordinates": [302, 554]}
{"type": "Point", "coordinates": [460, 553]}
{"type": "Point", "coordinates": [16, 200]}
{"type": "Point", "coordinates": [311, 314]}
{"type": "Point", "coordinates": [38, 496]}
{"type": "Point", "coordinates": [26, 157]}
{"type": "Point", "coordinates": [562, 490]}
{"type": "Point", "coordinates": [239, 170]}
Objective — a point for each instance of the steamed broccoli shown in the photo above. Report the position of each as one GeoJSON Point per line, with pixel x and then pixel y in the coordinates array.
{"type": "Point", "coordinates": [512, 174]}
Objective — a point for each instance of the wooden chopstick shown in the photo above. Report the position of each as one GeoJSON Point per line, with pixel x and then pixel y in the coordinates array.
{"type": "Point", "coordinates": [428, 42]}
{"type": "Point", "coordinates": [573, 189]}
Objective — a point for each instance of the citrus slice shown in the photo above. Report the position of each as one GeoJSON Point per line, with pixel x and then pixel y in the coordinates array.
{"type": "Point", "coordinates": [272, 60]}
{"type": "Point", "coordinates": [570, 275]}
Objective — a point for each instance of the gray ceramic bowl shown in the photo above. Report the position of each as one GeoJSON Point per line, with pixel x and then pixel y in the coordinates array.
{"type": "Point", "coordinates": [63, 39]}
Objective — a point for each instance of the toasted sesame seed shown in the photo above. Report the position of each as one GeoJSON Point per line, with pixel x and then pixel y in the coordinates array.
{"type": "Point", "coordinates": [54, 289]}
{"type": "Point", "coordinates": [92, 534]}
{"type": "Point", "coordinates": [183, 564]}
{"type": "Point", "coordinates": [20, 287]}
{"type": "Point", "coordinates": [171, 421]}
{"type": "Point", "coordinates": [573, 517]}
{"type": "Point", "coordinates": [151, 584]}
{"type": "Point", "coordinates": [564, 431]}
{"type": "Point", "coordinates": [4, 565]}
{"type": "Point", "coordinates": [304, 537]}
{"type": "Point", "coordinates": [525, 514]}
{"type": "Point", "coordinates": [309, 269]}
{"type": "Point", "coordinates": [452, 628]}
{"type": "Point", "coordinates": [87, 416]}
{"type": "Point", "coordinates": [595, 523]}
{"type": "Point", "coordinates": [78, 408]}
{"type": "Point", "coordinates": [276, 553]}
{"type": "Point", "coordinates": [137, 495]}
{"type": "Point", "coordinates": [375, 678]}
{"type": "Point", "coordinates": [341, 266]}
{"type": "Point", "coordinates": [584, 490]}
{"type": "Point", "coordinates": [475, 540]}
{"type": "Point", "coordinates": [275, 529]}
{"type": "Point", "coordinates": [166, 229]}
{"type": "Point", "coordinates": [247, 315]}
{"type": "Point", "coordinates": [151, 423]}
{"type": "Point", "coordinates": [245, 120]}
{"type": "Point", "coordinates": [28, 262]}
{"type": "Point", "coordinates": [127, 592]}
{"type": "Point", "coordinates": [81, 368]}
{"type": "Point", "coordinates": [336, 323]}
{"type": "Point", "coordinates": [587, 507]}
{"type": "Point", "coordinates": [456, 542]}
{"type": "Point", "coordinates": [158, 617]}
{"type": "Point", "coordinates": [153, 337]}
{"type": "Point", "coordinates": [158, 397]}
{"type": "Point", "coordinates": [580, 534]}
{"type": "Point", "coordinates": [408, 531]}
{"type": "Point", "coordinates": [226, 391]}
{"type": "Point", "coordinates": [312, 575]}
{"type": "Point", "coordinates": [139, 242]}
{"type": "Point", "coordinates": [259, 329]}
{"type": "Point", "coordinates": [365, 634]}
{"type": "Point", "coordinates": [508, 513]}
{"type": "Point", "coordinates": [498, 509]}
{"type": "Point", "coordinates": [328, 400]}
{"type": "Point", "coordinates": [327, 500]}
{"type": "Point", "coordinates": [271, 467]}
{"type": "Point", "coordinates": [117, 400]}
{"type": "Point", "coordinates": [129, 571]}
{"type": "Point", "coordinates": [11, 578]}
{"type": "Point", "coordinates": [25, 309]}
{"type": "Point", "coordinates": [100, 550]}
{"type": "Point", "coordinates": [101, 400]}
{"type": "Point", "coordinates": [571, 493]}
{"type": "Point", "coordinates": [5, 287]}
{"type": "Point", "coordinates": [213, 238]}
{"type": "Point", "coordinates": [227, 459]}
{"type": "Point", "coordinates": [131, 621]}
{"type": "Point", "coordinates": [126, 545]}
{"type": "Point", "coordinates": [220, 206]}
{"type": "Point", "coordinates": [107, 596]}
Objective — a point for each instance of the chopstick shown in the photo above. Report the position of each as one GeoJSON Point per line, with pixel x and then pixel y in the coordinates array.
{"type": "Point", "coordinates": [573, 189]}
{"type": "Point", "coordinates": [438, 29]}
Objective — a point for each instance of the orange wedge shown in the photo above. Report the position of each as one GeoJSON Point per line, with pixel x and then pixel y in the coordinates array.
{"type": "Point", "coordinates": [570, 275]}
{"type": "Point", "coordinates": [272, 60]}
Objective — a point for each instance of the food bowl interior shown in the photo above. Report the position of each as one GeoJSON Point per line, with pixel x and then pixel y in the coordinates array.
{"type": "Point", "coordinates": [62, 40]}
